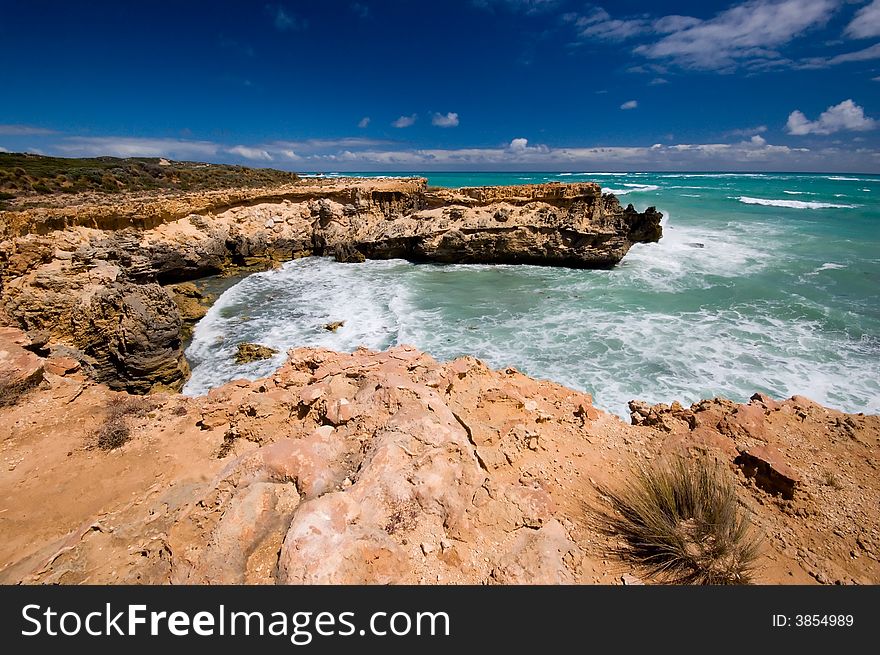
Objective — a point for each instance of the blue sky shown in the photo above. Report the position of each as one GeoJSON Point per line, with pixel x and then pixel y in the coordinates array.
{"type": "Point", "coordinates": [456, 85]}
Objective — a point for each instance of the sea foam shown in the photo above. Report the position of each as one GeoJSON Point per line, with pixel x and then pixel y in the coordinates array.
{"type": "Point", "coordinates": [631, 188]}
{"type": "Point", "coordinates": [792, 204]}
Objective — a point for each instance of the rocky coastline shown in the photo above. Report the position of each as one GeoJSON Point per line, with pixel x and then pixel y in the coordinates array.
{"type": "Point", "coordinates": [368, 467]}
{"type": "Point", "coordinates": [91, 280]}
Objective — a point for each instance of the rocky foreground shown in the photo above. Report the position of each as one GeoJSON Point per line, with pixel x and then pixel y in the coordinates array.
{"type": "Point", "coordinates": [92, 277]}
{"type": "Point", "coordinates": [393, 468]}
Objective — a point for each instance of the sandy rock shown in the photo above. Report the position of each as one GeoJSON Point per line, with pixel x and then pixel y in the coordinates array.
{"type": "Point", "coordinates": [61, 365]}
{"type": "Point", "coordinates": [766, 465]}
{"type": "Point", "coordinates": [536, 557]}
{"type": "Point", "coordinates": [20, 370]}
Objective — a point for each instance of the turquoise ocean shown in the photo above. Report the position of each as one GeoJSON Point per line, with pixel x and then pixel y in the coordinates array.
{"type": "Point", "coordinates": [762, 282]}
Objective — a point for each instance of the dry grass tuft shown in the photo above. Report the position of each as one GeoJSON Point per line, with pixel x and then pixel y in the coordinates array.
{"type": "Point", "coordinates": [830, 479]}
{"type": "Point", "coordinates": [679, 519]}
{"type": "Point", "coordinates": [116, 430]}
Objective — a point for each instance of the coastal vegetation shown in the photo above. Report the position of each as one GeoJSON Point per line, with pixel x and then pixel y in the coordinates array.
{"type": "Point", "coordinates": [116, 429]}
{"type": "Point", "coordinates": [25, 175]}
{"type": "Point", "coordinates": [680, 519]}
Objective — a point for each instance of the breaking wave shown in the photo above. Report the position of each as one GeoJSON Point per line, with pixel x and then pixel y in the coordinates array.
{"type": "Point", "coordinates": [792, 204]}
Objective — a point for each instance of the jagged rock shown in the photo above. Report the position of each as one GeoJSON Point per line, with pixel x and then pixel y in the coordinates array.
{"type": "Point", "coordinates": [548, 224]}
{"type": "Point", "coordinates": [253, 352]}
{"type": "Point", "coordinates": [348, 254]}
{"type": "Point", "coordinates": [191, 302]}
{"type": "Point", "coordinates": [335, 325]}
{"type": "Point", "coordinates": [61, 365]}
{"type": "Point", "coordinates": [771, 473]}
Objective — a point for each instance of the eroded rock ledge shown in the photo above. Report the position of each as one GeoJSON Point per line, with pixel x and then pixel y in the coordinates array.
{"type": "Point", "coordinates": [86, 280]}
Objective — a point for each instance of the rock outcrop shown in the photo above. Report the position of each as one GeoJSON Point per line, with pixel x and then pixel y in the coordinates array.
{"type": "Point", "coordinates": [393, 468]}
{"type": "Point", "coordinates": [100, 281]}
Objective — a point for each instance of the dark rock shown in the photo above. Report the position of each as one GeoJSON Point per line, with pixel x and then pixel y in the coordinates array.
{"type": "Point", "coordinates": [348, 254]}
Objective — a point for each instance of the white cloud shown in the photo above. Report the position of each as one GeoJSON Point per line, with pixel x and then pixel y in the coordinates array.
{"type": "Point", "coordinates": [866, 54]}
{"type": "Point", "coordinates": [866, 22]}
{"type": "Point", "coordinates": [445, 120]}
{"type": "Point", "coordinates": [669, 24]}
{"type": "Point", "coordinates": [745, 33]}
{"type": "Point", "coordinates": [2, 149]}
{"type": "Point", "coordinates": [97, 146]}
{"type": "Point", "coordinates": [364, 122]}
{"type": "Point", "coordinates": [630, 104]}
{"type": "Point", "coordinates": [845, 116]}
{"type": "Point", "coordinates": [658, 81]}
{"type": "Point", "coordinates": [599, 24]}
{"type": "Point", "coordinates": [648, 68]}
{"type": "Point", "coordinates": [749, 34]}
{"type": "Point", "coordinates": [405, 121]}
{"type": "Point", "coordinates": [23, 130]}
{"type": "Point", "coordinates": [753, 152]}
{"type": "Point", "coordinates": [871, 52]}
{"type": "Point", "coordinates": [746, 131]}
{"type": "Point", "coordinates": [250, 153]}
{"type": "Point", "coordinates": [310, 146]}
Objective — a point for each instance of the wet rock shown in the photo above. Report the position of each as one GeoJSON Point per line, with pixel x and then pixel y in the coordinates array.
{"type": "Point", "coordinates": [253, 352]}
{"type": "Point", "coordinates": [335, 325]}
{"type": "Point", "coordinates": [191, 302]}
{"type": "Point", "coordinates": [347, 253]}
